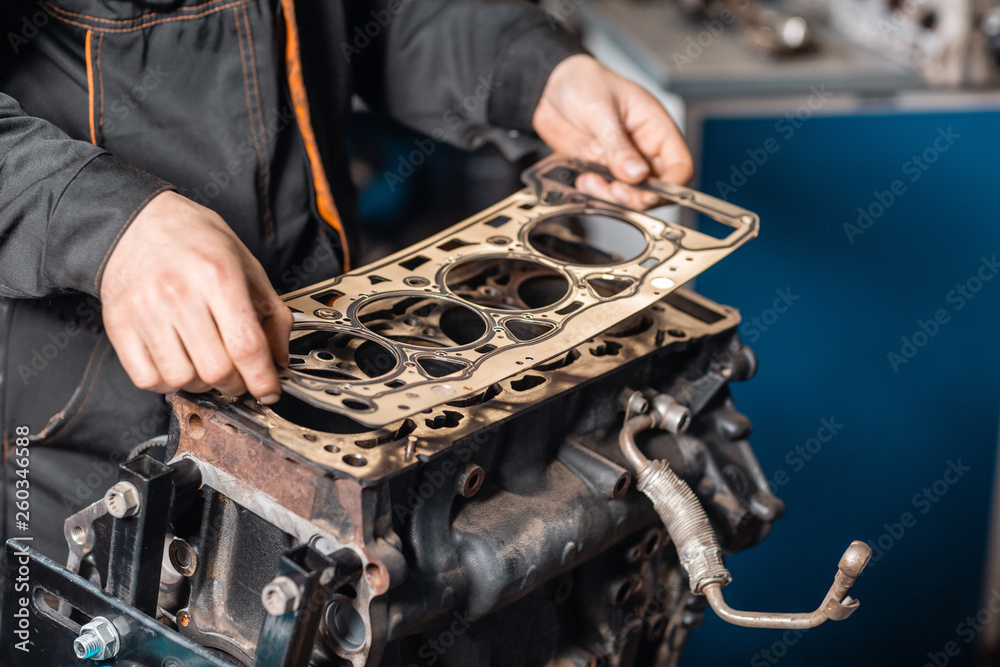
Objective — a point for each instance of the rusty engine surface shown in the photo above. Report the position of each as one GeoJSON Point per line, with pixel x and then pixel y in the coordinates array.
{"type": "Point", "coordinates": [452, 475]}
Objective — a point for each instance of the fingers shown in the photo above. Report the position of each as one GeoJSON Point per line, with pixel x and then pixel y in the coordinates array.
{"type": "Point", "coordinates": [132, 354]}
{"type": "Point", "coordinates": [615, 191]}
{"type": "Point", "coordinates": [173, 367]}
{"type": "Point", "coordinates": [244, 339]}
{"type": "Point", "coordinates": [276, 317]}
{"type": "Point", "coordinates": [204, 346]}
{"type": "Point", "coordinates": [673, 164]}
{"type": "Point", "coordinates": [623, 158]}
{"type": "Point", "coordinates": [658, 138]}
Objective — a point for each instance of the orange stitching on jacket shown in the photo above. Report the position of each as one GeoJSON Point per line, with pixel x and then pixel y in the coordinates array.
{"type": "Point", "coordinates": [114, 243]}
{"type": "Point", "coordinates": [151, 23]}
{"type": "Point", "coordinates": [100, 79]}
{"type": "Point", "coordinates": [138, 18]}
{"type": "Point", "coordinates": [93, 383]}
{"type": "Point", "coordinates": [90, 86]}
{"type": "Point", "coordinates": [296, 86]}
{"type": "Point", "coordinates": [72, 398]}
{"type": "Point", "coordinates": [7, 287]}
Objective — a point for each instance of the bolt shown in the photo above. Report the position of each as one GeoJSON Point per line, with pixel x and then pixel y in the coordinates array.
{"type": "Point", "coordinates": [326, 576]}
{"type": "Point", "coordinates": [98, 640]}
{"type": "Point", "coordinates": [321, 544]}
{"type": "Point", "coordinates": [638, 404]}
{"type": "Point", "coordinates": [281, 596]}
{"type": "Point", "coordinates": [122, 500]}
{"type": "Point", "coordinates": [86, 646]}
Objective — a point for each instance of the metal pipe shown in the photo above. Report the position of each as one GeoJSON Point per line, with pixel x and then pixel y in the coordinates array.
{"type": "Point", "coordinates": [836, 606]}
{"type": "Point", "coordinates": [626, 440]}
{"type": "Point", "coordinates": [698, 546]}
{"type": "Point", "coordinates": [685, 519]}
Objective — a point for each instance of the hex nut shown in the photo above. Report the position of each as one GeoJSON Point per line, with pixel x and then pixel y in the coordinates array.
{"type": "Point", "coordinates": [122, 500]}
{"type": "Point", "coordinates": [281, 596]}
{"type": "Point", "coordinates": [98, 640]}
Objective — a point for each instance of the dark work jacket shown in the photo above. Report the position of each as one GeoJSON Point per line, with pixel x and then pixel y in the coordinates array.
{"type": "Point", "coordinates": [106, 103]}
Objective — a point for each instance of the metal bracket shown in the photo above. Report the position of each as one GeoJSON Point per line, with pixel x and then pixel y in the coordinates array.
{"type": "Point", "coordinates": [48, 585]}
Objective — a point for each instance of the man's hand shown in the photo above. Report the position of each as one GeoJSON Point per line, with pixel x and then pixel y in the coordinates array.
{"type": "Point", "coordinates": [589, 112]}
{"type": "Point", "coordinates": [186, 306]}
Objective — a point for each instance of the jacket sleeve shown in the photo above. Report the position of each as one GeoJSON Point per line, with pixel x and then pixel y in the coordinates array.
{"type": "Point", "coordinates": [63, 206]}
{"type": "Point", "coordinates": [452, 68]}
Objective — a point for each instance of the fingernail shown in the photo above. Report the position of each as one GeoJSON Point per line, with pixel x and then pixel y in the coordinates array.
{"type": "Point", "coordinates": [620, 192]}
{"type": "Point", "coordinates": [269, 399]}
{"type": "Point", "coordinates": [635, 168]}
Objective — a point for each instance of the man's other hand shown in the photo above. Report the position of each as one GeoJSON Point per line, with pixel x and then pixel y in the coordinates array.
{"type": "Point", "coordinates": [186, 306]}
{"type": "Point", "coordinates": [587, 111]}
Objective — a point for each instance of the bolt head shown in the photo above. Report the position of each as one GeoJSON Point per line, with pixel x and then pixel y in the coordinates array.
{"type": "Point", "coordinates": [122, 500]}
{"type": "Point", "coordinates": [322, 544]}
{"type": "Point", "coordinates": [639, 404]}
{"type": "Point", "coordinates": [281, 596]}
{"type": "Point", "coordinates": [101, 634]}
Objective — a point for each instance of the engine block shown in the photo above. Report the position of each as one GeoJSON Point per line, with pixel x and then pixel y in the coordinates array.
{"type": "Point", "coordinates": [447, 479]}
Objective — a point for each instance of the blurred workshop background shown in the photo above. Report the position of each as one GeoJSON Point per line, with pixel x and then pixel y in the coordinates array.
{"type": "Point", "coordinates": [865, 134]}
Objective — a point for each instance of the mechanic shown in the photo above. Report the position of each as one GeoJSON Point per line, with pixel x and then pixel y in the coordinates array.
{"type": "Point", "coordinates": [117, 117]}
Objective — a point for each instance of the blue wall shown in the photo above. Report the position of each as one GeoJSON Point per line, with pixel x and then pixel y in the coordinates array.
{"type": "Point", "coordinates": [826, 357]}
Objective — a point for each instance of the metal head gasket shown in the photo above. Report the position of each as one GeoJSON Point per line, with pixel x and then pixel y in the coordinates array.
{"type": "Point", "coordinates": [509, 288]}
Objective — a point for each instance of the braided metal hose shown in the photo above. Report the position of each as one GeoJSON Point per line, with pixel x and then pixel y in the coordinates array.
{"type": "Point", "coordinates": [696, 542]}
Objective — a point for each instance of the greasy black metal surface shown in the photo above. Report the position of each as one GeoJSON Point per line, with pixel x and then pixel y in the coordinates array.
{"type": "Point", "coordinates": [287, 640]}
{"type": "Point", "coordinates": [148, 642]}
{"type": "Point", "coordinates": [137, 541]}
{"type": "Point", "coordinates": [546, 515]}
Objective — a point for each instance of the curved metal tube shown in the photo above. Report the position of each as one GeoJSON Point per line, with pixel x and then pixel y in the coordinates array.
{"type": "Point", "coordinates": [836, 606]}
{"type": "Point", "coordinates": [694, 538]}
{"type": "Point", "coordinates": [698, 546]}
{"type": "Point", "coordinates": [626, 440]}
